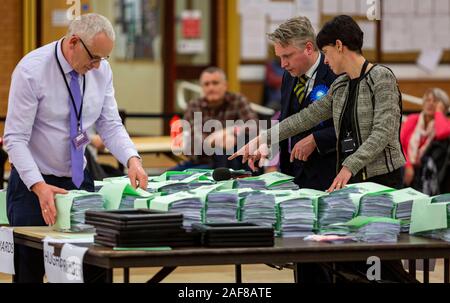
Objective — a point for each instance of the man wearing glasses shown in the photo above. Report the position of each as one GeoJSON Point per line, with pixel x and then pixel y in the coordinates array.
{"type": "Point", "coordinates": [57, 93]}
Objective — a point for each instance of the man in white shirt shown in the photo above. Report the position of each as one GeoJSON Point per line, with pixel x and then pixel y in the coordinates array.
{"type": "Point", "coordinates": [57, 93]}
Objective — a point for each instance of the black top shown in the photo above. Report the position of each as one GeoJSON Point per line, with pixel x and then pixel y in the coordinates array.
{"type": "Point", "coordinates": [348, 125]}
{"type": "Point", "coordinates": [347, 129]}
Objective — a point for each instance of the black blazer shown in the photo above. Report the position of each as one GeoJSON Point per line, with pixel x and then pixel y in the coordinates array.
{"type": "Point", "coordinates": [320, 169]}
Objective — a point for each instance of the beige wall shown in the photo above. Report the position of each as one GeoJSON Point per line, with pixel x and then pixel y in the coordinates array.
{"type": "Point", "coordinates": [139, 85]}
{"type": "Point", "coordinates": [10, 48]}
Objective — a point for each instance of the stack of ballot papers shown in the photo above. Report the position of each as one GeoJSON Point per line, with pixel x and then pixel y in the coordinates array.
{"type": "Point", "coordinates": [376, 205]}
{"type": "Point", "coordinates": [441, 198]}
{"type": "Point", "coordinates": [121, 195]}
{"type": "Point", "coordinates": [284, 186]}
{"type": "Point", "coordinates": [376, 230]}
{"type": "Point", "coordinates": [270, 181]}
{"type": "Point", "coordinates": [337, 207]}
{"type": "Point", "coordinates": [167, 187]}
{"type": "Point", "coordinates": [222, 206]}
{"type": "Point", "coordinates": [296, 216]}
{"type": "Point", "coordinates": [251, 183]}
{"type": "Point", "coordinates": [188, 204]}
{"type": "Point", "coordinates": [403, 203]}
{"type": "Point", "coordinates": [259, 208]}
{"type": "Point", "coordinates": [71, 209]}
{"type": "Point", "coordinates": [370, 229]}
{"type": "Point", "coordinates": [342, 205]}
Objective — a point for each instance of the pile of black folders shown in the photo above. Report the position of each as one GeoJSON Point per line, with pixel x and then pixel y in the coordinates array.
{"type": "Point", "coordinates": [241, 234]}
{"type": "Point", "coordinates": [140, 228]}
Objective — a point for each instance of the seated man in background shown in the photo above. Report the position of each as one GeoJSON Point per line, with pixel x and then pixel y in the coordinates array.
{"type": "Point", "coordinates": [418, 133]}
{"type": "Point", "coordinates": [220, 105]}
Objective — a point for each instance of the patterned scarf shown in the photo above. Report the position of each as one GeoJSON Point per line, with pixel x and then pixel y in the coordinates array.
{"type": "Point", "coordinates": [420, 140]}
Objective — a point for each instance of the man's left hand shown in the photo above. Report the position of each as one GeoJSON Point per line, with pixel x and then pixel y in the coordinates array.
{"type": "Point", "coordinates": [303, 149]}
{"type": "Point", "coordinates": [137, 174]}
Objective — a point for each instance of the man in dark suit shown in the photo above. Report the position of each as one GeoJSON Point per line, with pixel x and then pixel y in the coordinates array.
{"type": "Point", "coordinates": [309, 156]}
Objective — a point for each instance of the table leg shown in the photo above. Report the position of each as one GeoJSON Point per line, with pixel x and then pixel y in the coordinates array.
{"type": "Point", "coordinates": [412, 268]}
{"type": "Point", "coordinates": [162, 274]}
{"type": "Point", "coordinates": [126, 275]}
{"type": "Point", "coordinates": [447, 270]}
{"type": "Point", "coordinates": [295, 272]}
{"type": "Point", "coordinates": [110, 276]}
{"type": "Point", "coordinates": [238, 273]}
{"type": "Point", "coordinates": [426, 271]}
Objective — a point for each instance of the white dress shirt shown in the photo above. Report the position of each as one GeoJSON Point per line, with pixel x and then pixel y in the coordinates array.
{"type": "Point", "coordinates": [312, 74]}
{"type": "Point", "coordinates": [37, 129]}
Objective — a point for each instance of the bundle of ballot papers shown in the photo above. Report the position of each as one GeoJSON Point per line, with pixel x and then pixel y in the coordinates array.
{"type": "Point", "coordinates": [222, 206]}
{"type": "Point", "coordinates": [370, 229]}
{"type": "Point", "coordinates": [403, 203]}
{"type": "Point", "coordinates": [174, 182]}
{"type": "Point", "coordinates": [336, 207]}
{"type": "Point", "coordinates": [390, 203]}
{"type": "Point", "coordinates": [259, 208]}
{"type": "Point", "coordinates": [431, 219]}
{"type": "Point", "coordinates": [121, 195]}
{"type": "Point", "coordinates": [186, 203]}
{"type": "Point", "coordinates": [375, 201]}
{"type": "Point", "coordinates": [3, 213]}
{"type": "Point", "coordinates": [296, 214]}
{"type": "Point", "coordinates": [71, 209]}
{"type": "Point", "coordinates": [270, 181]}
{"type": "Point", "coordinates": [342, 205]}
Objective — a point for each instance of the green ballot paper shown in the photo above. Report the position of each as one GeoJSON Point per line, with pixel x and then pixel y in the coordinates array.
{"type": "Point", "coordinates": [427, 216]}
{"type": "Point", "coordinates": [121, 195]}
{"type": "Point", "coordinates": [3, 213]}
{"type": "Point", "coordinates": [141, 248]}
{"type": "Point", "coordinates": [70, 210]}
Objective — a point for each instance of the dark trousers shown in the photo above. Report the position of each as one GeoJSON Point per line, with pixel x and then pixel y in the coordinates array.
{"type": "Point", "coordinates": [24, 210]}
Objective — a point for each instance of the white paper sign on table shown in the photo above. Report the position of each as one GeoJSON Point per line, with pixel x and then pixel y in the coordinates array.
{"type": "Point", "coordinates": [7, 251]}
{"type": "Point", "coordinates": [66, 268]}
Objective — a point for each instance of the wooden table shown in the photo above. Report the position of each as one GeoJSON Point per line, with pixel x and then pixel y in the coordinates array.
{"type": "Point", "coordinates": [285, 251]}
{"type": "Point", "coordinates": [153, 145]}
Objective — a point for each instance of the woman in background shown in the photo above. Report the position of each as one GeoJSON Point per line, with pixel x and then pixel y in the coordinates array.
{"type": "Point", "coordinates": [419, 131]}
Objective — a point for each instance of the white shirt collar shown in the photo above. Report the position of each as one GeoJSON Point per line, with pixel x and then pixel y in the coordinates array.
{"type": "Point", "coordinates": [310, 72]}
{"type": "Point", "coordinates": [67, 68]}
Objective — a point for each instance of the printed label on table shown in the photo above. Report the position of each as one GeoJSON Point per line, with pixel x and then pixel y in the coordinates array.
{"type": "Point", "coordinates": [7, 251]}
{"type": "Point", "coordinates": [66, 268]}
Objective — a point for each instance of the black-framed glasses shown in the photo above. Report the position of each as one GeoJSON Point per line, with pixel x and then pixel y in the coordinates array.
{"type": "Point", "coordinates": [94, 59]}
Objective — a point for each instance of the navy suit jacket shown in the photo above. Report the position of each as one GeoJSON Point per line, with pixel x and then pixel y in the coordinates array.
{"type": "Point", "coordinates": [320, 169]}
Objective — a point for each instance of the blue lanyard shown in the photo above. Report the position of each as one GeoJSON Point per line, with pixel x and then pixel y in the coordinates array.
{"type": "Point", "coordinates": [78, 114]}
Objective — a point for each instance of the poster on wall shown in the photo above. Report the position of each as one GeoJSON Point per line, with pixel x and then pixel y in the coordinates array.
{"type": "Point", "coordinates": [138, 30]}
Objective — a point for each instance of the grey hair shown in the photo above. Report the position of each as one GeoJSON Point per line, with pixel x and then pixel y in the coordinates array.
{"type": "Point", "coordinates": [90, 25]}
{"type": "Point", "coordinates": [213, 70]}
{"type": "Point", "coordinates": [440, 95]}
{"type": "Point", "coordinates": [296, 32]}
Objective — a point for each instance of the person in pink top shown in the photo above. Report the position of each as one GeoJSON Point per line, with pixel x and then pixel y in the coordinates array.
{"type": "Point", "coordinates": [420, 130]}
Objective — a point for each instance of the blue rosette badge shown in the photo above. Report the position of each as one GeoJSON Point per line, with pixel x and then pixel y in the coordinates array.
{"type": "Point", "coordinates": [318, 92]}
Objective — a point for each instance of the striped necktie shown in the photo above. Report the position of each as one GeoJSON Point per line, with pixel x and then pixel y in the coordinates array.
{"type": "Point", "coordinates": [300, 88]}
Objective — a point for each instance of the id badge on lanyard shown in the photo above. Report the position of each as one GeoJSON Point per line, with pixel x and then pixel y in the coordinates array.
{"type": "Point", "coordinates": [81, 138]}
